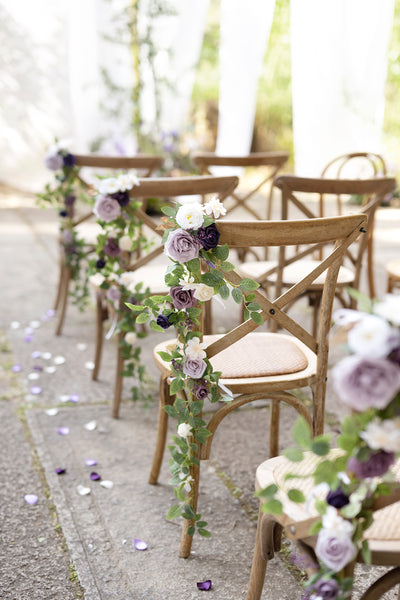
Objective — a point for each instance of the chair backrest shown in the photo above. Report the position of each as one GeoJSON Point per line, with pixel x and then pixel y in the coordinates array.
{"type": "Point", "coordinates": [268, 164]}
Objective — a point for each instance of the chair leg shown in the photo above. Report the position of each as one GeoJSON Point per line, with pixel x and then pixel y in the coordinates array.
{"type": "Point", "coordinates": [370, 266]}
{"type": "Point", "coordinates": [186, 540]}
{"type": "Point", "coordinates": [118, 384]}
{"type": "Point", "coordinates": [165, 399]}
{"type": "Point", "coordinates": [99, 336]}
{"type": "Point", "coordinates": [59, 285]}
{"type": "Point", "coordinates": [268, 540]}
{"type": "Point", "coordinates": [274, 428]}
{"type": "Point", "coordinates": [66, 278]}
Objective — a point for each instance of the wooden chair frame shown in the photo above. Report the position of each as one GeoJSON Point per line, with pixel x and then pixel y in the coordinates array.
{"type": "Point", "coordinates": [154, 187]}
{"type": "Point", "coordinates": [145, 162]}
{"type": "Point", "coordinates": [342, 231]}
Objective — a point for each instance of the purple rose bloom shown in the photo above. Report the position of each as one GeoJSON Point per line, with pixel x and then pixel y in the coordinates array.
{"type": "Point", "coordinates": [201, 391]}
{"type": "Point", "coordinates": [54, 162]}
{"type": "Point", "coordinates": [100, 263]}
{"type": "Point", "coordinates": [121, 197]}
{"type": "Point", "coordinates": [112, 248]}
{"type": "Point", "coordinates": [208, 236]}
{"type": "Point", "coordinates": [376, 465]}
{"type": "Point", "coordinates": [194, 367]}
{"type": "Point", "coordinates": [163, 321]}
{"type": "Point", "coordinates": [328, 589]}
{"type": "Point", "coordinates": [394, 356]}
{"type": "Point", "coordinates": [337, 498]}
{"type": "Point", "coordinates": [182, 246]}
{"type": "Point", "coordinates": [106, 208]}
{"type": "Point", "coordinates": [362, 383]}
{"type": "Point", "coordinates": [69, 160]}
{"type": "Point", "coordinates": [70, 200]}
{"type": "Point", "coordinates": [335, 552]}
{"type": "Point", "coordinates": [182, 298]}
{"type": "Point", "coordinates": [113, 293]}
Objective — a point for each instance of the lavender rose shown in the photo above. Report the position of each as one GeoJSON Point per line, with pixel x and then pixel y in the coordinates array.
{"type": "Point", "coordinates": [194, 367]}
{"type": "Point", "coordinates": [113, 293]}
{"type": "Point", "coordinates": [201, 391]}
{"type": "Point", "coordinates": [112, 248]}
{"type": "Point", "coordinates": [182, 298]}
{"type": "Point", "coordinates": [376, 465]}
{"type": "Point", "coordinates": [362, 383]}
{"type": "Point", "coordinates": [208, 236]}
{"type": "Point", "coordinates": [337, 498]}
{"type": "Point", "coordinates": [163, 321]}
{"type": "Point", "coordinates": [328, 589]}
{"type": "Point", "coordinates": [182, 246]}
{"type": "Point", "coordinates": [106, 208]}
{"type": "Point", "coordinates": [54, 162]}
{"type": "Point", "coordinates": [334, 551]}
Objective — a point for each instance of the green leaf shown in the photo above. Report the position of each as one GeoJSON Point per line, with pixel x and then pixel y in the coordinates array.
{"type": "Point", "coordinates": [224, 292]}
{"type": "Point", "coordinates": [301, 433]}
{"type": "Point", "coordinates": [191, 530]}
{"type": "Point", "coordinates": [155, 327]}
{"type": "Point", "coordinates": [248, 284]}
{"type": "Point", "coordinates": [314, 529]}
{"type": "Point", "coordinates": [252, 305]}
{"type": "Point", "coordinates": [237, 295]}
{"type": "Point", "coordinates": [174, 512]}
{"type": "Point", "coordinates": [320, 447]}
{"type": "Point", "coordinates": [201, 524]}
{"type": "Point", "coordinates": [325, 472]}
{"type": "Point", "coordinates": [169, 211]}
{"type": "Point", "coordinates": [221, 252]}
{"type": "Point", "coordinates": [364, 302]}
{"type": "Point", "coordinates": [171, 411]}
{"type": "Point", "coordinates": [227, 266]}
{"type": "Point", "coordinates": [273, 507]}
{"type": "Point", "coordinates": [196, 407]}
{"type": "Point", "coordinates": [293, 454]}
{"type": "Point", "coordinates": [270, 490]}
{"type": "Point", "coordinates": [134, 307]}
{"type": "Point", "coordinates": [212, 279]}
{"type": "Point", "coordinates": [165, 356]}
{"type": "Point", "coordinates": [193, 265]}
{"type": "Point", "coordinates": [188, 512]}
{"type": "Point", "coordinates": [143, 317]}
{"type": "Point", "coordinates": [366, 552]}
{"type": "Point", "coordinates": [296, 495]}
{"type": "Point", "coordinates": [176, 386]}
{"type": "Point", "coordinates": [257, 318]}
{"type": "Point", "coordinates": [204, 532]}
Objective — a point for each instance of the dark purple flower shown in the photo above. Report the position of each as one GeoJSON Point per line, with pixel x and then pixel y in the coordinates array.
{"type": "Point", "coordinates": [121, 197]}
{"type": "Point", "coordinates": [394, 356]}
{"type": "Point", "coordinates": [204, 585]}
{"type": "Point", "coordinates": [376, 465]}
{"type": "Point", "coordinates": [100, 263]}
{"type": "Point", "coordinates": [337, 498]}
{"type": "Point", "coordinates": [70, 200]}
{"type": "Point", "coordinates": [60, 471]}
{"type": "Point", "coordinates": [69, 160]}
{"type": "Point", "coordinates": [94, 476]}
{"type": "Point", "coordinates": [112, 248]}
{"type": "Point", "coordinates": [182, 246]}
{"type": "Point", "coordinates": [177, 365]}
{"type": "Point", "coordinates": [194, 367]}
{"type": "Point", "coordinates": [201, 391]}
{"type": "Point", "coordinates": [63, 213]}
{"type": "Point", "coordinates": [182, 298]}
{"type": "Point", "coordinates": [163, 321]}
{"type": "Point", "coordinates": [208, 236]}
{"type": "Point", "coordinates": [328, 589]}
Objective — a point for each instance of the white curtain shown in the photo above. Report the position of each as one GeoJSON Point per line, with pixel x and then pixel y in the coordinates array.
{"type": "Point", "coordinates": [339, 65]}
{"type": "Point", "coordinates": [245, 28]}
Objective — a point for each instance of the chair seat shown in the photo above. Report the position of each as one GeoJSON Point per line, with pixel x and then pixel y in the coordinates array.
{"type": "Point", "coordinates": [258, 358]}
{"type": "Point", "coordinates": [393, 268]}
{"type": "Point", "coordinates": [382, 536]}
{"type": "Point", "coordinates": [293, 273]}
{"type": "Point", "coordinates": [153, 278]}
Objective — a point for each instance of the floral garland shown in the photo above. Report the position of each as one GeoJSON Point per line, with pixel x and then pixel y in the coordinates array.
{"type": "Point", "coordinates": [121, 236]}
{"type": "Point", "coordinates": [191, 241]}
{"type": "Point", "coordinates": [63, 196]}
{"type": "Point", "coordinates": [368, 381]}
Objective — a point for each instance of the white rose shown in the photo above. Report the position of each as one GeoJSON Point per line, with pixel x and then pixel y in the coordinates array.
{"type": "Point", "coordinates": [372, 337]}
{"type": "Point", "coordinates": [126, 181]}
{"type": "Point", "coordinates": [190, 216]}
{"type": "Point", "coordinates": [108, 186]}
{"type": "Point", "coordinates": [203, 292]}
{"type": "Point", "coordinates": [125, 243]}
{"type": "Point", "coordinates": [130, 337]}
{"type": "Point", "coordinates": [184, 430]}
{"type": "Point", "coordinates": [332, 521]}
{"type": "Point", "coordinates": [195, 348]}
{"type": "Point", "coordinates": [127, 278]}
{"type": "Point", "coordinates": [215, 207]}
{"type": "Point", "coordinates": [97, 279]}
{"type": "Point", "coordinates": [389, 308]}
{"type": "Point", "coordinates": [382, 435]}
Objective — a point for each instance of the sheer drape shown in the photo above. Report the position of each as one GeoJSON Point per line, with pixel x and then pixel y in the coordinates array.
{"type": "Point", "coordinates": [339, 65]}
{"type": "Point", "coordinates": [245, 28]}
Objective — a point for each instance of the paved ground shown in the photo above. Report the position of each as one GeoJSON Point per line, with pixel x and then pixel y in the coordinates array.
{"type": "Point", "coordinates": [69, 546]}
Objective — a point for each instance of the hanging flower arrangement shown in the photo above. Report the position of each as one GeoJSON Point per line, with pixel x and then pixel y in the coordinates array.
{"type": "Point", "coordinates": [196, 274]}
{"type": "Point", "coordinates": [367, 380]}
{"type": "Point", "coordinates": [120, 239]}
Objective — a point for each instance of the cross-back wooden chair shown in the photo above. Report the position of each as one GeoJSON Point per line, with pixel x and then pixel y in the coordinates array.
{"type": "Point", "coordinates": [295, 521]}
{"type": "Point", "coordinates": [296, 193]}
{"type": "Point", "coordinates": [150, 273]}
{"type": "Point", "coordinates": [266, 365]}
{"type": "Point", "coordinates": [146, 164]}
{"type": "Point", "coordinates": [357, 165]}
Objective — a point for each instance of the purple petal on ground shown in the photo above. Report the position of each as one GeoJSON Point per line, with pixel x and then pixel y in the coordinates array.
{"type": "Point", "coordinates": [60, 471]}
{"type": "Point", "coordinates": [35, 389]}
{"type": "Point", "coordinates": [37, 368]}
{"type": "Point", "coordinates": [63, 430]}
{"type": "Point", "coordinates": [204, 585]}
{"type": "Point", "coordinates": [36, 354]}
{"type": "Point", "coordinates": [30, 498]}
{"type": "Point", "coordinates": [16, 368]}
{"type": "Point", "coordinates": [95, 476]}
{"type": "Point", "coordinates": [73, 398]}
{"type": "Point", "coordinates": [28, 338]}
{"type": "Point", "coordinates": [28, 330]}
{"type": "Point", "coordinates": [139, 544]}
{"type": "Point", "coordinates": [90, 462]}
{"type": "Point", "coordinates": [50, 312]}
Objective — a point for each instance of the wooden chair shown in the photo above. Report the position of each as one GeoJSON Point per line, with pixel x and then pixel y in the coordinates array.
{"type": "Point", "coordinates": [295, 521]}
{"type": "Point", "coordinates": [263, 365]}
{"type": "Point", "coordinates": [294, 190]}
{"type": "Point", "coordinates": [145, 164]}
{"type": "Point", "coordinates": [393, 274]}
{"type": "Point", "coordinates": [152, 275]}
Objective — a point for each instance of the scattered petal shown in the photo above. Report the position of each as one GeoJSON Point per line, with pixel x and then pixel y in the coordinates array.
{"type": "Point", "coordinates": [60, 471]}
{"type": "Point", "coordinates": [50, 369]}
{"type": "Point", "coordinates": [30, 498]}
{"type": "Point", "coordinates": [41, 540]}
{"type": "Point", "coordinates": [15, 325]}
{"type": "Point", "coordinates": [50, 312]}
{"type": "Point", "coordinates": [81, 347]}
{"type": "Point", "coordinates": [36, 354]}
{"type": "Point", "coordinates": [30, 398]}
{"type": "Point", "coordinates": [46, 355]}
{"type": "Point", "coordinates": [52, 412]}
{"type": "Point", "coordinates": [16, 368]}
{"type": "Point", "coordinates": [33, 376]}
{"type": "Point", "coordinates": [204, 585]}
{"type": "Point", "coordinates": [82, 490]}
{"type": "Point", "coordinates": [63, 430]}
{"type": "Point", "coordinates": [63, 397]}
{"type": "Point", "coordinates": [59, 360]}
{"type": "Point", "coordinates": [28, 330]}
{"type": "Point", "coordinates": [89, 365]}
{"type": "Point", "coordinates": [106, 483]}
{"type": "Point", "coordinates": [35, 389]}
{"type": "Point", "coordinates": [73, 398]}
{"type": "Point", "coordinates": [95, 476]}
{"type": "Point", "coordinates": [90, 462]}
{"type": "Point", "coordinates": [28, 338]}
{"type": "Point", "coordinates": [37, 368]}
{"type": "Point", "coordinates": [91, 426]}
{"type": "Point", "coordinates": [140, 545]}
{"type": "Point", "coordinates": [34, 324]}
